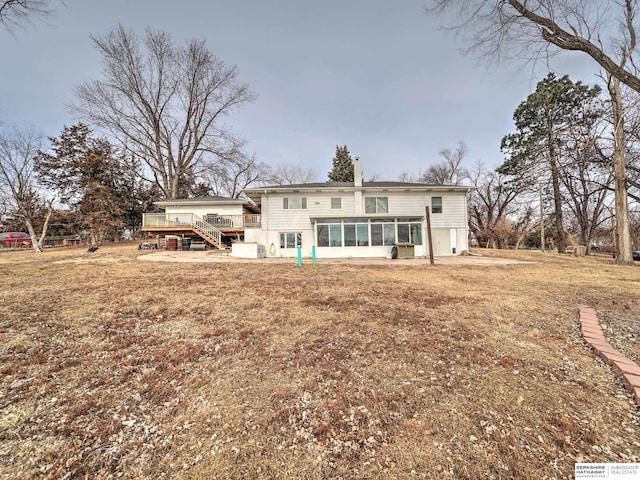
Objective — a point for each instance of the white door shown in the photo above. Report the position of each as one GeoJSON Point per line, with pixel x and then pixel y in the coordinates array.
{"type": "Point", "coordinates": [453, 237]}
{"type": "Point", "coordinates": [441, 242]}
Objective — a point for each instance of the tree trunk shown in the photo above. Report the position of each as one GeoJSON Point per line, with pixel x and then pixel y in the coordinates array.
{"type": "Point", "coordinates": [557, 198]}
{"type": "Point", "coordinates": [45, 226]}
{"type": "Point", "coordinates": [32, 233]}
{"type": "Point", "coordinates": [624, 256]}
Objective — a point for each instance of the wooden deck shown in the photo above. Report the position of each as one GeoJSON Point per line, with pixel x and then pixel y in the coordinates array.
{"type": "Point", "coordinates": [217, 230]}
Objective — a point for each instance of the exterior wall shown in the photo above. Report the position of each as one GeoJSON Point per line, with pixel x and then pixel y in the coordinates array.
{"type": "Point", "coordinates": [450, 229]}
{"type": "Point", "coordinates": [454, 211]}
{"type": "Point", "coordinates": [202, 210]}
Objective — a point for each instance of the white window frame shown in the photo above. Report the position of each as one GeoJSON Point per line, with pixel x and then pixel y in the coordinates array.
{"type": "Point", "coordinates": [377, 205]}
{"type": "Point", "coordinates": [436, 208]}
{"type": "Point", "coordinates": [287, 203]}
{"type": "Point", "coordinates": [339, 202]}
{"type": "Point", "coordinates": [284, 237]}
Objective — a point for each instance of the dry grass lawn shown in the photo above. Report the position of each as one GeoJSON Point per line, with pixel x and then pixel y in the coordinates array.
{"type": "Point", "coordinates": [115, 368]}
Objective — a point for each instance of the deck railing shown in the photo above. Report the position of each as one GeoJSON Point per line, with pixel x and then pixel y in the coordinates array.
{"type": "Point", "coordinates": [208, 231]}
{"type": "Point", "coordinates": [222, 222]}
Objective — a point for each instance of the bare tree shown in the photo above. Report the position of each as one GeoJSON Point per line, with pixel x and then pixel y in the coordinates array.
{"type": "Point", "coordinates": [230, 176]}
{"type": "Point", "coordinates": [491, 204]}
{"type": "Point", "coordinates": [291, 174]}
{"type": "Point", "coordinates": [409, 177]}
{"type": "Point", "coordinates": [18, 12]}
{"type": "Point", "coordinates": [164, 103]}
{"type": "Point", "coordinates": [539, 29]}
{"type": "Point", "coordinates": [449, 170]}
{"type": "Point", "coordinates": [586, 180]}
{"type": "Point", "coordinates": [525, 30]}
{"type": "Point", "coordinates": [18, 180]}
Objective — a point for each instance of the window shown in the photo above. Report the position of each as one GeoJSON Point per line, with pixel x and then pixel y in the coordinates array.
{"type": "Point", "coordinates": [323, 235]}
{"type": "Point", "coordinates": [363, 235]}
{"type": "Point", "coordinates": [335, 235]}
{"type": "Point", "coordinates": [362, 232]}
{"type": "Point", "coordinates": [294, 203]}
{"type": "Point", "coordinates": [329, 233]}
{"type": "Point", "coordinates": [376, 234]}
{"type": "Point", "coordinates": [290, 239]}
{"type": "Point", "coordinates": [376, 205]}
{"type": "Point", "coordinates": [349, 235]}
{"type": "Point", "coordinates": [436, 204]}
{"type": "Point", "coordinates": [416, 233]}
{"type": "Point", "coordinates": [403, 233]}
{"type": "Point", "coordinates": [410, 230]}
{"type": "Point", "coordinates": [356, 232]}
{"type": "Point", "coordinates": [389, 234]}
{"type": "Point", "coordinates": [336, 203]}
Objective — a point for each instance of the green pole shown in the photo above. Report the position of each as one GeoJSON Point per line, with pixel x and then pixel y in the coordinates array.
{"type": "Point", "coordinates": [313, 254]}
{"type": "Point", "coordinates": [299, 256]}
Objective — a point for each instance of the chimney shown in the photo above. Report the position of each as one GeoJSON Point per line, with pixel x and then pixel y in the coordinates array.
{"type": "Point", "coordinates": [357, 173]}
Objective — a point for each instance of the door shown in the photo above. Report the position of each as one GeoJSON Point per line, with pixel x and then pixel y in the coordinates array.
{"type": "Point", "coordinates": [453, 241]}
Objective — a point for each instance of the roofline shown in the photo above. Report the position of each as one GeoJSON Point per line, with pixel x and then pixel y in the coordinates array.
{"type": "Point", "coordinates": [188, 201]}
{"type": "Point", "coordinates": [412, 187]}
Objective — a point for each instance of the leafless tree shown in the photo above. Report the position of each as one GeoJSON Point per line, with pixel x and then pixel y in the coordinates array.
{"type": "Point", "coordinates": [492, 204]}
{"type": "Point", "coordinates": [586, 179]}
{"type": "Point", "coordinates": [18, 149]}
{"type": "Point", "coordinates": [449, 170]}
{"type": "Point", "coordinates": [14, 13]}
{"type": "Point", "coordinates": [163, 102]}
{"type": "Point", "coordinates": [538, 29]}
{"type": "Point", "coordinates": [291, 174]}
{"type": "Point", "coordinates": [232, 174]}
{"type": "Point", "coordinates": [632, 133]}
{"type": "Point", "coordinates": [409, 177]}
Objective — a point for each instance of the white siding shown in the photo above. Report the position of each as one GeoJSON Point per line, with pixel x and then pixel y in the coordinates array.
{"type": "Point", "coordinates": [276, 220]}
{"type": "Point", "coordinates": [202, 210]}
{"type": "Point", "coordinates": [454, 213]}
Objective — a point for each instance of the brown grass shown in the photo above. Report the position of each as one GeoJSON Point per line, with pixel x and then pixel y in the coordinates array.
{"type": "Point", "coordinates": [115, 368]}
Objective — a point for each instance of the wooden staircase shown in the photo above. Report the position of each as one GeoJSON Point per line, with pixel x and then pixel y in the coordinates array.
{"type": "Point", "coordinates": [207, 231]}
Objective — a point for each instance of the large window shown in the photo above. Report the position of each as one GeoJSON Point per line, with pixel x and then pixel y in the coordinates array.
{"type": "Point", "coordinates": [362, 232]}
{"type": "Point", "coordinates": [376, 205]}
{"type": "Point", "coordinates": [290, 239]}
{"type": "Point", "coordinates": [329, 233]}
{"type": "Point", "coordinates": [436, 204]}
{"type": "Point", "coordinates": [294, 203]}
{"type": "Point", "coordinates": [410, 230]}
{"type": "Point", "coordinates": [383, 231]}
{"type": "Point", "coordinates": [376, 234]}
{"type": "Point", "coordinates": [356, 232]}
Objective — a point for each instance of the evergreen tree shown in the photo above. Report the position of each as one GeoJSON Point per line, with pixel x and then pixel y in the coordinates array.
{"type": "Point", "coordinates": [342, 170]}
{"type": "Point", "coordinates": [543, 120]}
{"type": "Point", "coordinates": [91, 178]}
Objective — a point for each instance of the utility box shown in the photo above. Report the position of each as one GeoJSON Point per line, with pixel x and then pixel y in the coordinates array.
{"type": "Point", "coordinates": [403, 251]}
{"type": "Point", "coordinates": [248, 250]}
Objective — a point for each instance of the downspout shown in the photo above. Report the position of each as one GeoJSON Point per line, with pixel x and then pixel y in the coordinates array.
{"type": "Point", "coordinates": [466, 220]}
{"type": "Point", "coordinates": [266, 205]}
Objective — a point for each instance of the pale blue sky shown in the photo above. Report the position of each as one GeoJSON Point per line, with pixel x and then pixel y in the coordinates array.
{"type": "Point", "coordinates": [375, 75]}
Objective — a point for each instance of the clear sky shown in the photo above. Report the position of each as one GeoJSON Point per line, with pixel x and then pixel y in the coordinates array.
{"type": "Point", "coordinates": [375, 75]}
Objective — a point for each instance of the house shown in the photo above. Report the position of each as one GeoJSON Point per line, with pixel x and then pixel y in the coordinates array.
{"type": "Point", "coordinates": [338, 220]}
{"type": "Point", "coordinates": [216, 220]}
{"type": "Point", "coordinates": [359, 219]}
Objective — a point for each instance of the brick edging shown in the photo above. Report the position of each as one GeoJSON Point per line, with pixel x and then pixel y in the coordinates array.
{"type": "Point", "coordinates": [623, 366]}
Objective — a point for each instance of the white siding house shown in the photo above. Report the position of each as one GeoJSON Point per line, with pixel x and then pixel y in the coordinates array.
{"type": "Point", "coordinates": [359, 219]}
